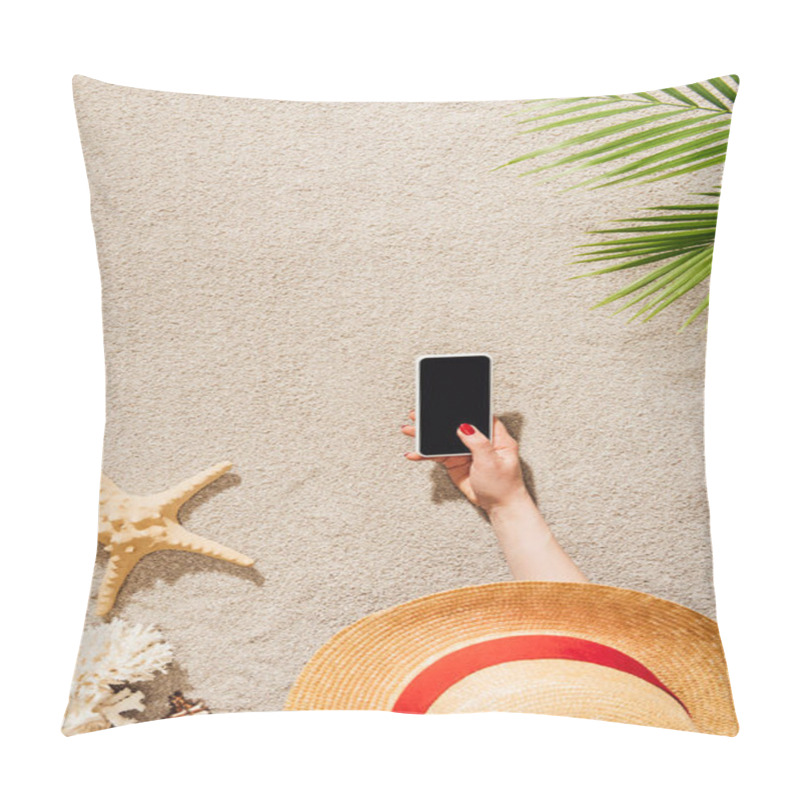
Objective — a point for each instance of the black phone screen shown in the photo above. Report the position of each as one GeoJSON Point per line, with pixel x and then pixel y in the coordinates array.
{"type": "Point", "coordinates": [452, 390]}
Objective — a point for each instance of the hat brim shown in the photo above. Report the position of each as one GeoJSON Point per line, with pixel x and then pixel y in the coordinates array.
{"type": "Point", "coordinates": [369, 664]}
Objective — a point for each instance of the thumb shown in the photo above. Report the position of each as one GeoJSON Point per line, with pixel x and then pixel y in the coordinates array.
{"type": "Point", "coordinates": [477, 443]}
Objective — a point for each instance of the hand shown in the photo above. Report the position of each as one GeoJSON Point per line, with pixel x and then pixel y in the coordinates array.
{"type": "Point", "coordinates": [490, 476]}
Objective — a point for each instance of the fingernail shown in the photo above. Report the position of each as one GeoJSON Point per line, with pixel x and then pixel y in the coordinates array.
{"type": "Point", "coordinates": [466, 429]}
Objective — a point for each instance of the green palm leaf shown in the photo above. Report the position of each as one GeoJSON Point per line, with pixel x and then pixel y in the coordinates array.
{"type": "Point", "coordinates": [680, 239]}
{"type": "Point", "coordinates": [643, 137]}
{"type": "Point", "coordinates": [651, 136]}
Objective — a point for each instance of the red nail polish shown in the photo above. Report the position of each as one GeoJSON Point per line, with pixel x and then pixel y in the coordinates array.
{"type": "Point", "coordinates": [466, 428]}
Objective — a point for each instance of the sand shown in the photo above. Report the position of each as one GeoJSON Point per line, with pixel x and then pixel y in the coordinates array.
{"type": "Point", "coordinates": [270, 272]}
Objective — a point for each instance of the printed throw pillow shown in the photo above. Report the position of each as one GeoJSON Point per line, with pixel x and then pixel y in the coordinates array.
{"type": "Point", "coordinates": [405, 406]}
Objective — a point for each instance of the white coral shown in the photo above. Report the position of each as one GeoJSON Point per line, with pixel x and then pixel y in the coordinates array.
{"type": "Point", "coordinates": [113, 655]}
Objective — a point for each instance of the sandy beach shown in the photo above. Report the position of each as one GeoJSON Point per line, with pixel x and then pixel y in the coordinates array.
{"type": "Point", "coordinates": [269, 313]}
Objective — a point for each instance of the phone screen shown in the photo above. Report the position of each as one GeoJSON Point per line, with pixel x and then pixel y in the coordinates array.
{"type": "Point", "coordinates": [452, 390]}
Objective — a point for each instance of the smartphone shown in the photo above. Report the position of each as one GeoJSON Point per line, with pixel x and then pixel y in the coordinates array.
{"type": "Point", "coordinates": [452, 389]}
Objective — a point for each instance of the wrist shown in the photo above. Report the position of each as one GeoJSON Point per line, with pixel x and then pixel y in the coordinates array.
{"type": "Point", "coordinates": [518, 523]}
{"type": "Point", "coordinates": [517, 502]}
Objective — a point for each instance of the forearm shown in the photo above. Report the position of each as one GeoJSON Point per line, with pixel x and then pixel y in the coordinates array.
{"type": "Point", "coordinates": [531, 550]}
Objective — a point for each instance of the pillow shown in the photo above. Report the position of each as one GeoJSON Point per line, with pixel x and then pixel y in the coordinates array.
{"type": "Point", "coordinates": [270, 535]}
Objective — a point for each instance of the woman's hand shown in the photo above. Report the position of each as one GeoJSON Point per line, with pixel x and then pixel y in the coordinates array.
{"type": "Point", "coordinates": [491, 476]}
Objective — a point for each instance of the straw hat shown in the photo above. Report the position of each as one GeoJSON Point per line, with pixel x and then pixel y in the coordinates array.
{"type": "Point", "coordinates": [573, 649]}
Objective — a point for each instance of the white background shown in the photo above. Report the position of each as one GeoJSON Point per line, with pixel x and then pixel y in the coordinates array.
{"type": "Point", "coordinates": [53, 389]}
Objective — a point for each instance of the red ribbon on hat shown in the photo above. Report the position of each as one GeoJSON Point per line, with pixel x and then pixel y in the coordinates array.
{"type": "Point", "coordinates": [424, 689]}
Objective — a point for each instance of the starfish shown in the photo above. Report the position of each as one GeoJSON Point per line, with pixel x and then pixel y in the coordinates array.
{"type": "Point", "coordinates": [132, 526]}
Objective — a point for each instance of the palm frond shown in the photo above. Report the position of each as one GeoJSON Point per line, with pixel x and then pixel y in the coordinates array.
{"type": "Point", "coordinates": [658, 135]}
{"type": "Point", "coordinates": [679, 238]}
